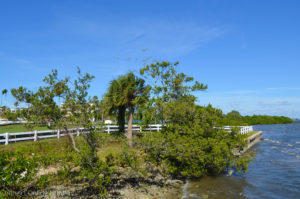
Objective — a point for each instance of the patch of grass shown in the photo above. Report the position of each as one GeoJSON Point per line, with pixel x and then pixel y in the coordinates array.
{"type": "Point", "coordinates": [15, 128]}
{"type": "Point", "coordinates": [51, 152]}
{"type": "Point", "coordinates": [59, 164]}
{"type": "Point", "coordinates": [111, 148]}
{"type": "Point", "coordinates": [48, 152]}
{"type": "Point", "coordinates": [246, 135]}
{"type": "Point", "coordinates": [39, 147]}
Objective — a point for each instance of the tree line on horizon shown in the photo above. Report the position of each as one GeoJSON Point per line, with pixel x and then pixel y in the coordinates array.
{"type": "Point", "coordinates": [234, 118]}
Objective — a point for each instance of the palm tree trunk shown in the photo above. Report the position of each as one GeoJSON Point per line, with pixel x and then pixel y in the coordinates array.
{"type": "Point", "coordinates": [129, 129]}
{"type": "Point", "coordinates": [121, 119]}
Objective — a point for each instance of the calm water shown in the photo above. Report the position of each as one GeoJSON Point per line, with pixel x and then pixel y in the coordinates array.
{"type": "Point", "coordinates": [274, 173]}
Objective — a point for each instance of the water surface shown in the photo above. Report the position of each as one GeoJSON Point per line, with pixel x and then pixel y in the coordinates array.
{"type": "Point", "coordinates": [274, 173]}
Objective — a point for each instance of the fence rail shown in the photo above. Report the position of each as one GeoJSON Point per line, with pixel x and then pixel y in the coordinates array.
{"type": "Point", "coordinates": [243, 129]}
{"type": "Point", "coordinates": [7, 138]}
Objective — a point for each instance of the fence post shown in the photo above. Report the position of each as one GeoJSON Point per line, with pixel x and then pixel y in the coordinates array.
{"type": "Point", "coordinates": [35, 136]}
{"type": "Point", "coordinates": [140, 129]}
{"type": "Point", "coordinates": [58, 134]}
{"type": "Point", "coordinates": [6, 138]}
{"type": "Point", "coordinates": [78, 133]}
{"type": "Point", "coordinates": [108, 129]}
{"type": "Point", "coordinates": [157, 126]}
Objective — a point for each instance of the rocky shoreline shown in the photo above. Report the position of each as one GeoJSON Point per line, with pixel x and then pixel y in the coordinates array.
{"type": "Point", "coordinates": [130, 183]}
{"type": "Point", "coordinates": [170, 189]}
{"type": "Point", "coordinates": [127, 183]}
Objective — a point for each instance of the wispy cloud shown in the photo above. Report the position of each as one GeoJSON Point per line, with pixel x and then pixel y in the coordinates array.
{"type": "Point", "coordinates": [284, 88]}
{"type": "Point", "coordinates": [174, 38]}
{"type": "Point", "coordinates": [236, 92]}
{"type": "Point", "coordinates": [161, 38]}
{"type": "Point", "coordinates": [268, 104]}
{"type": "Point", "coordinates": [17, 61]}
{"type": "Point", "coordinates": [254, 104]}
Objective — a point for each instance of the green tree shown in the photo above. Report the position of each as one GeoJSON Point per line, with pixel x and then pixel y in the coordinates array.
{"type": "Point", "coordinates": [189, 145]}
{"type": "Point", "coordinates": [234, 114]}
{"type": "Point", "coordinates": [78, 109]}
{"type": "Point", "coordinates": [169, 86]}
{"type": "Point", "coordinates": [58, 86]}
{"type": "Point", "coordinates": [4, 92]}
{"type": "Point", "coordinates": [41, 104]}
{"type": "Point", "coordinates": [114, 104]}
{"type": "Point", "coordinates": [127, 91]}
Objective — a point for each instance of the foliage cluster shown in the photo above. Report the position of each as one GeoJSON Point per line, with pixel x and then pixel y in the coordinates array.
{"type": "Point", "coordinates": [87, 167]}
{"type": "Point", "coordinates": [234, 118]}
{"type": "Point", "coordinates": [189, 144]}
{"type": "Point", "coordinates": [126, 92]}
{"type": "Point", "coordinates": [16, 172]}
{"type": "Point", "coordinates": [193, 148]}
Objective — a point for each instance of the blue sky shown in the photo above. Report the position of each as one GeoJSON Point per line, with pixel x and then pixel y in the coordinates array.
{"type": "Point", "coordinates": [246, 51]}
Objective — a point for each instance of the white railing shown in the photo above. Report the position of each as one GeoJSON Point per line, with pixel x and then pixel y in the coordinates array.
{"type": "Point", "coordinates": [243, 129]}
{"type": "Point", "coordinates": [151, 127]}
{"type": "Point", "coordinates": [5, 122]}
{"type": "Point", "coordinates": [6, 138]}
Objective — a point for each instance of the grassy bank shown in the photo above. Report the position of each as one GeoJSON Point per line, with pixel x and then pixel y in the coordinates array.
{"type": "Point", "coordinates": [106, 162]}
{"type": "Point", "coordinates": [54, 163]}
{"type": "Point", "coordinates": [246, 135]}
{"type": "Point", "coordinates": [15, 128]}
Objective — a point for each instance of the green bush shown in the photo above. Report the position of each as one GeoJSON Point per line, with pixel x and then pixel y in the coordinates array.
{"type": "Point", "coordinates": [97, 174]}
{"type": "Point", "coordinates": [192, 151]}
{"type": "Point", "coordinates": [16, 171]}
{"type": "Point", "coordinates": [93, 170]}
{"type": "Point", "coordinates": [110, 160]}
{"type": "Point", "coordinates": [43, 181]}
{"type": "Point", "coordinates": [128, 159]}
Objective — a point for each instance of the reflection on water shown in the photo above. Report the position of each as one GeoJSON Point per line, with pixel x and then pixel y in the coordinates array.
{"type": "Point", "coordinates": [216, 188]}
{"type": "Point", "coordinates": [274, 173]}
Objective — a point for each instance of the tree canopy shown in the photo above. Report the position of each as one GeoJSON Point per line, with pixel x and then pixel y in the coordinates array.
{"type": "Point", "coordinates": [127, 91]}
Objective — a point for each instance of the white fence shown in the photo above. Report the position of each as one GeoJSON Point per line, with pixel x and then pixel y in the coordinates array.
{"type": "Point", "coordinates": [243, 129]}
{"type": "Point", "coordinates": [6, 122]}
{"type": "Point", "coordinates": [151, 127]}
{"type": "Point", "coordinates": [6, 138]}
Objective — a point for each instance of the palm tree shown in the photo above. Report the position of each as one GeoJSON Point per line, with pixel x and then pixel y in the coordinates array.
{"type": "Point", "coordinates": [126, 92]}
{"type": "Point", "coordinates": [114, 104]}
{"type": "Point", "coordinates": [4, 92]}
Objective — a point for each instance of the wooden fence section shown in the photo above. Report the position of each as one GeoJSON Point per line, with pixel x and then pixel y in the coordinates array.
{"type": "Point", "coordinates": [7, 138]}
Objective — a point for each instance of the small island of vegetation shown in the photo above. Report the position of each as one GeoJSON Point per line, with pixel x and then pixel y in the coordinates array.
{"type": "Point", "coordinates": [100, 164]}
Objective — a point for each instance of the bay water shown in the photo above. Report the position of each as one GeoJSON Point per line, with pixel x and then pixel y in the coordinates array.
{"type": "Point", "coordinates": [274, 173]}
